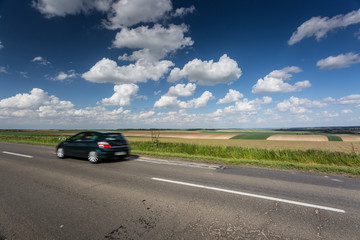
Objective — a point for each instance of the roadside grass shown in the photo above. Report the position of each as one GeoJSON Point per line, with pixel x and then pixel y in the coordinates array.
{"type": "Point", "coordinates": [306, 160]}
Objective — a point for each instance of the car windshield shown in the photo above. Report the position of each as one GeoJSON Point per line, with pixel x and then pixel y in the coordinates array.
{"type": "Point", "coordinates": [114, 137]}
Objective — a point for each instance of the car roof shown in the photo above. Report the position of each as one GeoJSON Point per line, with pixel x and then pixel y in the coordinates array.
{"type": "Point", "coordinates": [102, 132]}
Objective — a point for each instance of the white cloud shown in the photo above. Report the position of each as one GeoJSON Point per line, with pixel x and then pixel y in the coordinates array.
{"type": "Point", "coordinates": [231, 96]}
{"type": "Point", "coordinates": [340, 61]}
{"type": "Point", "coordinates": [199, 102]}
{"type": "Point", "coordinates": [246, 105]}
{"type": "Point", "coordinates": [167, 102]}
{"type": "Point", "coordinates": [208, 72]}
{"type": "Point", "coordinates": [299, 105]}
{"type": "Point", "coordinates": [24, 74]}
{"type": "Point", "coordinates": [182, 90]}
{"type": "Point", "coordinates": [180, 12]}
{"type": "Point", "coordinates": [320, 26]}
{"type": "Point", "coordinates": [1, 45]}
{"type": "Point", "coordinates": [173, 102]}
{"type": "Point", "coordinates": [53, 8]}
{"type": "Point", "coordinates": [327, 114]}
{"type": "Point", "coordinates": [63, 76]}
{"type": "Point", "coordinates": [351, 99]}
{"type": "Point", "coordinates": [346, 111]}
{"type": "Point", "coordinates": [122, 96]}
{"type": "Point", "coordinates": [41, 61]}
{"type": "Point", "coordinates": [274, 82]}
{"type": "Point", "coordinates": [107, 70]}
{"type": "Point", "coordinates": [33, 101]}
{"type": "Point", "coordinates": [125, 13]}
{"type": "Point", "coordinates": [3, 69]}
{"type": "Point", "coordinates": [154, 43]}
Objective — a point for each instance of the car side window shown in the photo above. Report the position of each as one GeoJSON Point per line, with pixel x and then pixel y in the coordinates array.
{"type": "Point", "coordinates": [90, 137]}
{"type": "Point", "coordinates": [78, 137]}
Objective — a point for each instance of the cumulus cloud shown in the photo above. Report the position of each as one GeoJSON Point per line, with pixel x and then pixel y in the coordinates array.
{"type": "Point", "coordinates": [274, 82]}
{"type": "Point", "coordinates": [351, 99]}
{"type": "Point", "coordinates": [231, 96]}
{"type": "Point", "coordinates": [320, 26]}
{"type": "Point", "coordinates": [173, 102]}
{"type": "Point", "coordinates": [126, 13]}
{"type": "Point", "coordinates": [299, 105]}
{"type": "Point", "coordinates": [107, 70]}
{"type": "Point", "coordinates": [340, 61]}
{"type": "Point", "coordinates": [327, 114]}
{"type": "Point", "coordinates": [53, 8]}
{"type": "Point", "coordinates": [123, 95]}
{"type": "Point", "coordinates": [120, 14]}
{"type": "Point", "coordinates": [248, 106]}
{"type": "Point", "coordinates": [33, 101]}
{"type": "Point", "coordinates": [41, 61]}
{"type": "Point", "coordinates": [208, 72]}
{"type": "Point", "coordinates": [182, 90]}
{"type": "Point", "coordinates": [63, 76]}
{"type": "Point", "coordinates": [167, 102]}
{"type": "Point", "coordinates": [154, 43]}
{"type": "Point", "coordinates": [181, 12]}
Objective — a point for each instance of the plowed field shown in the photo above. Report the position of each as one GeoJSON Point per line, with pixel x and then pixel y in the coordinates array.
{"type": "Point", "coordinates": [312, 138]}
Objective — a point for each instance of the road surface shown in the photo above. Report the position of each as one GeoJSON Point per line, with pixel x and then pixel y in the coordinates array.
{"type": "Point", "coordinates": [43, 197]}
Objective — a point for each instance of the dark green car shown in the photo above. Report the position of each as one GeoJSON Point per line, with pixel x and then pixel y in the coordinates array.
{"type": "Point", "coordinates": [94, 145]}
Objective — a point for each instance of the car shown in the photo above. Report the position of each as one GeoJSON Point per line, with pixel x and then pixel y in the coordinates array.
{"type": "Point", "coordinates": [94, 145]}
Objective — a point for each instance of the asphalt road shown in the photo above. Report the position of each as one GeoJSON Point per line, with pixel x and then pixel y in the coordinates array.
{"type": "Point", "coordinates": [42, 197]}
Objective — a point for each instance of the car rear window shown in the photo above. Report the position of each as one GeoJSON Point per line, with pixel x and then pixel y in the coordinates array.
{"type": "Point", "coordinates": [114, 137]}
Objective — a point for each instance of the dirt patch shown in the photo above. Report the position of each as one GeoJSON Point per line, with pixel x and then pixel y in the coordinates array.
{"type": "Point", "coordinates": [349, 138]}
{"type": "Point", "coordinates": [181, 134]}
{"type": "Point", "coordinates": [313, 138]}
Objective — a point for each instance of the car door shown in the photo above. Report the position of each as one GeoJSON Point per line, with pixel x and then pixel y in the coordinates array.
{"type": "Point", "coordinates": [73, 145]}
{"type": "Point", "coordinates": [88, 143]}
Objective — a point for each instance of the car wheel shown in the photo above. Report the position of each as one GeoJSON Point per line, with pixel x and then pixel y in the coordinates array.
{"type": "Point", "coordinates": [93, 157]}
{"type": "Point", "coordinates": [60, 153]}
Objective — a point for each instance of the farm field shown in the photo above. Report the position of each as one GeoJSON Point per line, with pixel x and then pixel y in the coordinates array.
{"type": "Point", "coordinates": [183, 134]}
{"type": "Point", "coordinates": [263, 139]}
{"type": "Point", "coordinates": [346, 147]}
{"type": "Point", "coordinates": [234, 148]}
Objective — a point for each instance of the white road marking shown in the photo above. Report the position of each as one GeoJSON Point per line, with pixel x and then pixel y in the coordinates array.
{"type": "Point", "coordinates": [17, 154]}
{"type": "Point", "coordinates": [252, 195]}
{"type": "Point", "coordinates": [179, 163]}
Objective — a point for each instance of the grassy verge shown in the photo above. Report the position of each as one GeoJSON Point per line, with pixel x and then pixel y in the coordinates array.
{"type": "Point", "coordinates": [307, 160]}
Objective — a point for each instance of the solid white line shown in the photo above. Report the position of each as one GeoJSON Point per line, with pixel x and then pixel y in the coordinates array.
{"type": "Point", "coordinates": [252, 195]}
{"type": "Point", "coordinates": [17, 154]}
{"type": "Point", "coordinates": [177, 163]}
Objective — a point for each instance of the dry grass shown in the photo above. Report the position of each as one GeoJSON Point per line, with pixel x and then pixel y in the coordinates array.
{"type": "Point", "coordinates": [350, 138]}
{"type": "Point", "coordinates": [310, 138]}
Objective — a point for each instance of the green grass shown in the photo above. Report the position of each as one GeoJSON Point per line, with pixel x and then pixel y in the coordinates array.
{"type": "Point", "coordinates": [254, 135]}
{"type": "Point", "coordinates": [333, 138]}
{"type": "Point", "coordinates": [309, 160]}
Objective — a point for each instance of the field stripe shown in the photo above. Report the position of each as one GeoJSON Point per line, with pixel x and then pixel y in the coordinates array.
{"type": "Point", "coordinates": [17, 154]}
{"type": "Point", "coordinates": [252, 195]}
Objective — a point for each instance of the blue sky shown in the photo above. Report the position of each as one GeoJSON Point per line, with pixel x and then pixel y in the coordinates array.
{"type": "Point", "coordinates": [179, 64]}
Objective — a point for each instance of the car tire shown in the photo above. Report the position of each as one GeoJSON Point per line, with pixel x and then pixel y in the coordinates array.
{"type": "Point", "coordinates": [93, 157]}
{"type": "Point", "coordinates": [60, 153]}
